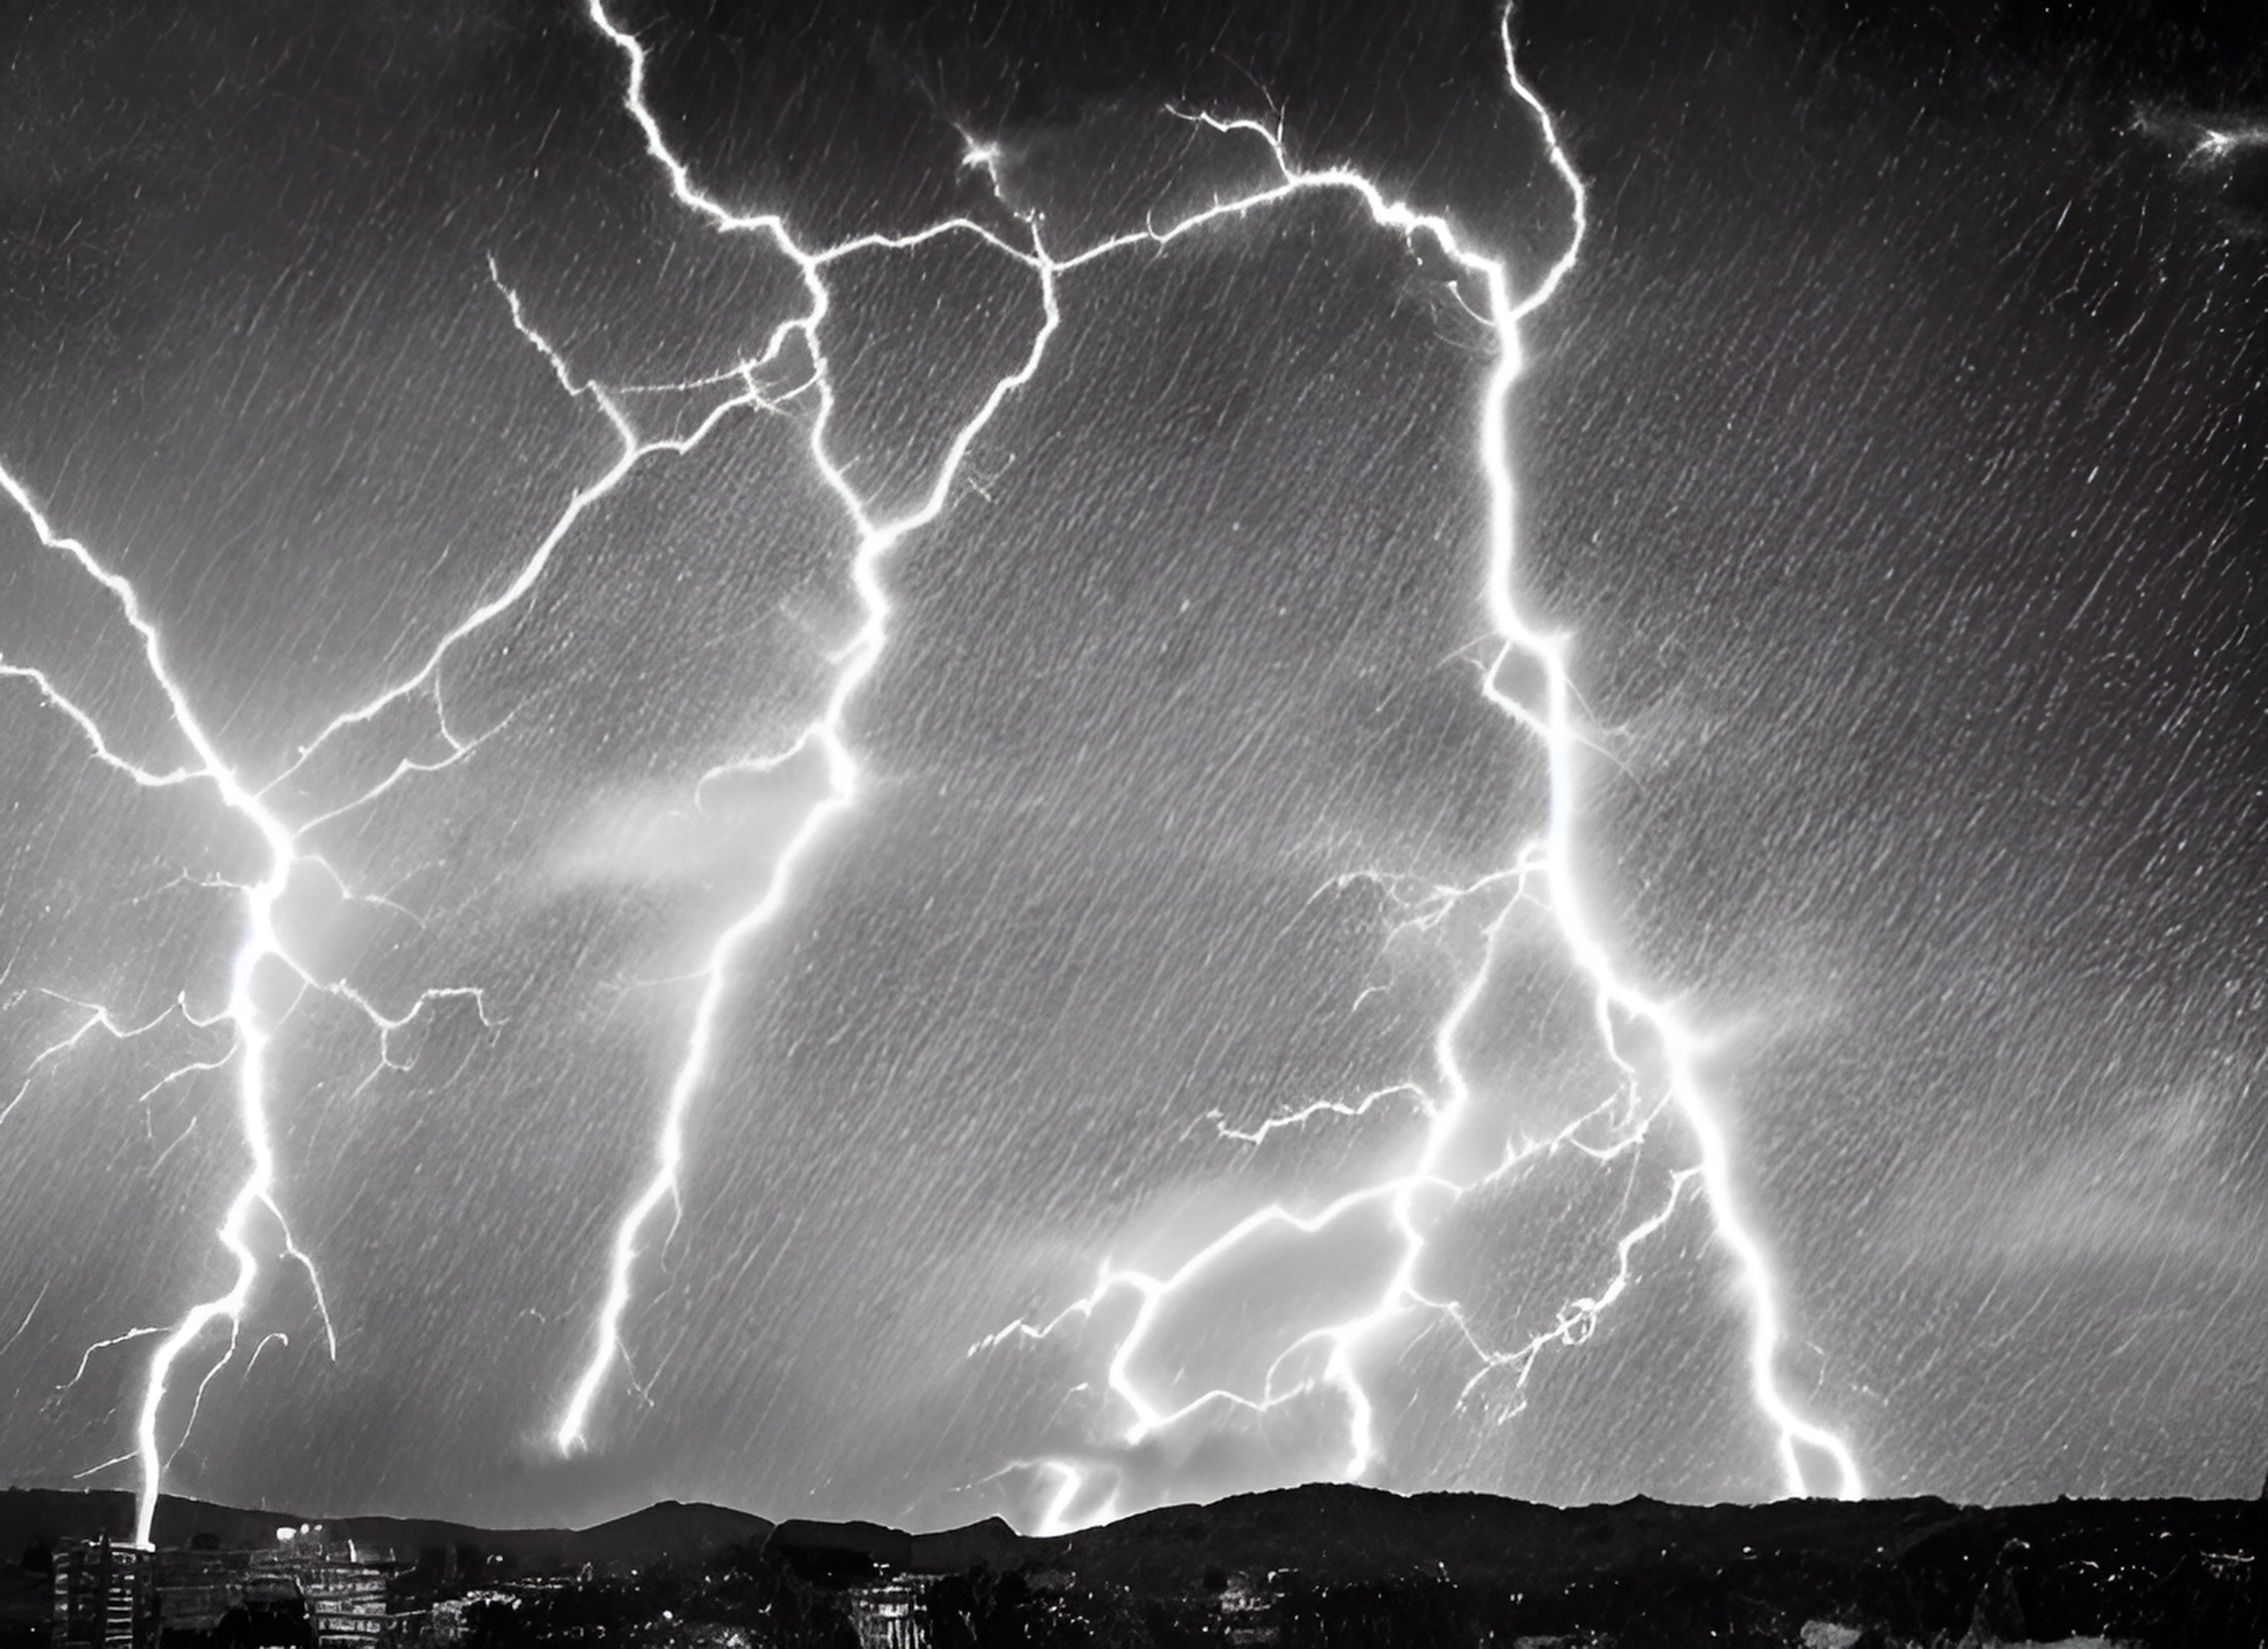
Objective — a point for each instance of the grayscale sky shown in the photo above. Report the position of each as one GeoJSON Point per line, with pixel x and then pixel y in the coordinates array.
{"type": "Point", "coordinates": [1890, 458]}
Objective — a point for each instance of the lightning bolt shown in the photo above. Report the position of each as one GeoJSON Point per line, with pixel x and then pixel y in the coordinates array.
{"type": "Point", "coordinates": [791, 376]}
{"type": "Point", "coordinates": [264, 967]}
{"type": "Point", "coordinates": [266, 983]}
{"type": "Point", "coordinates": [855, 662]}
{"type": "Point", "coordinates": [1543, 874]}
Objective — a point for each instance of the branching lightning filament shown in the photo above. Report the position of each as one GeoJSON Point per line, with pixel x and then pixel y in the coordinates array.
{"type": "Point", "coordinates": [1541, 874]}
{"type": "Point", "coordinates": [854, 663]}
{"type": "Point", "coordinates": [265, 982]}
{"type": "Point", "coordinates": [791, 376]}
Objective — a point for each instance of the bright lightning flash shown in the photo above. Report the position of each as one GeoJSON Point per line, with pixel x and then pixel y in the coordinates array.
{"type": "Point", "coordinates": [1541, 874]}
{"type": "Point", "coordinates": [854, 663]}
{"type": "Point", "coordinates": [792, 377]}
{"type": "Point", "coordinates": [266, 983]}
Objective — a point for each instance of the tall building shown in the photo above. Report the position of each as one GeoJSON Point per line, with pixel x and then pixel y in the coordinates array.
{"type": "Point", "coordinates": [886, 1613]}
{"type": "Point", "coordinates": [346, 1600]}
{"type": "Point", "coordinates": [195, 1591]}
{"type": "Point", "coordinates": [299, 1594]}
{"type": "Point", "coordinates": [105, 1596]}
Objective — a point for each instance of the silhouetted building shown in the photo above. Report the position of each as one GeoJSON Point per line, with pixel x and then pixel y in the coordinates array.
{"type": "Point", "coordinates": [272, 1615]}
{"type": "Point", "coordinates": [300, 1594]}
{"type": "Point", "coordinates": [345, 1600]}
{"type": "Point", "coordinates": [1248, 1611]}
{"type": "Point", "coordinates": [195, 1589]}
{"type": "Point", "coordinates": [105, 1598]}
{"type": "Point", "coordinates": [886, 1614]}
{"type": "Point", "coordinates": [215, 1599]}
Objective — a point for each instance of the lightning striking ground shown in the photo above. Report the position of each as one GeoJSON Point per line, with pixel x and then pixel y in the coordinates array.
{"type": "Point", "coordinates": [855, 661]}
{"type": "Point", "coordinates": [791, 376]}
{"type": "Point", "coordinates": [253, 1024]}
{"type": "Point", "coordinates": [1543, 874]}
{"type": "Point", "coordinates": [263, 962]}
{"type": "Point", "coordinates": [266, 983]}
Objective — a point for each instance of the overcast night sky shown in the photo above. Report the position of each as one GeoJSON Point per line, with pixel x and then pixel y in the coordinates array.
{"type": "Point", "coordinates": [1892, 457]}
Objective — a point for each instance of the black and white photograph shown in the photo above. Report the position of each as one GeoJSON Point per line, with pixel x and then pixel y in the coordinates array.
{"type": "Point", "coordinates": [1298, 822]}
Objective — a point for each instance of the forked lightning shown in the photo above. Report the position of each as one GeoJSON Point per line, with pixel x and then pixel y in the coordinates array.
{"type": "Point", "coordinates": [791, 376]}
{"type": "Point", "coordinates": [1542, 872]}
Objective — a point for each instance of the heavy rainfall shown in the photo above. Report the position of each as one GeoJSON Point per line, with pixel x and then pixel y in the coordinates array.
{"type": "Point", "coordinates": [905, 766]}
